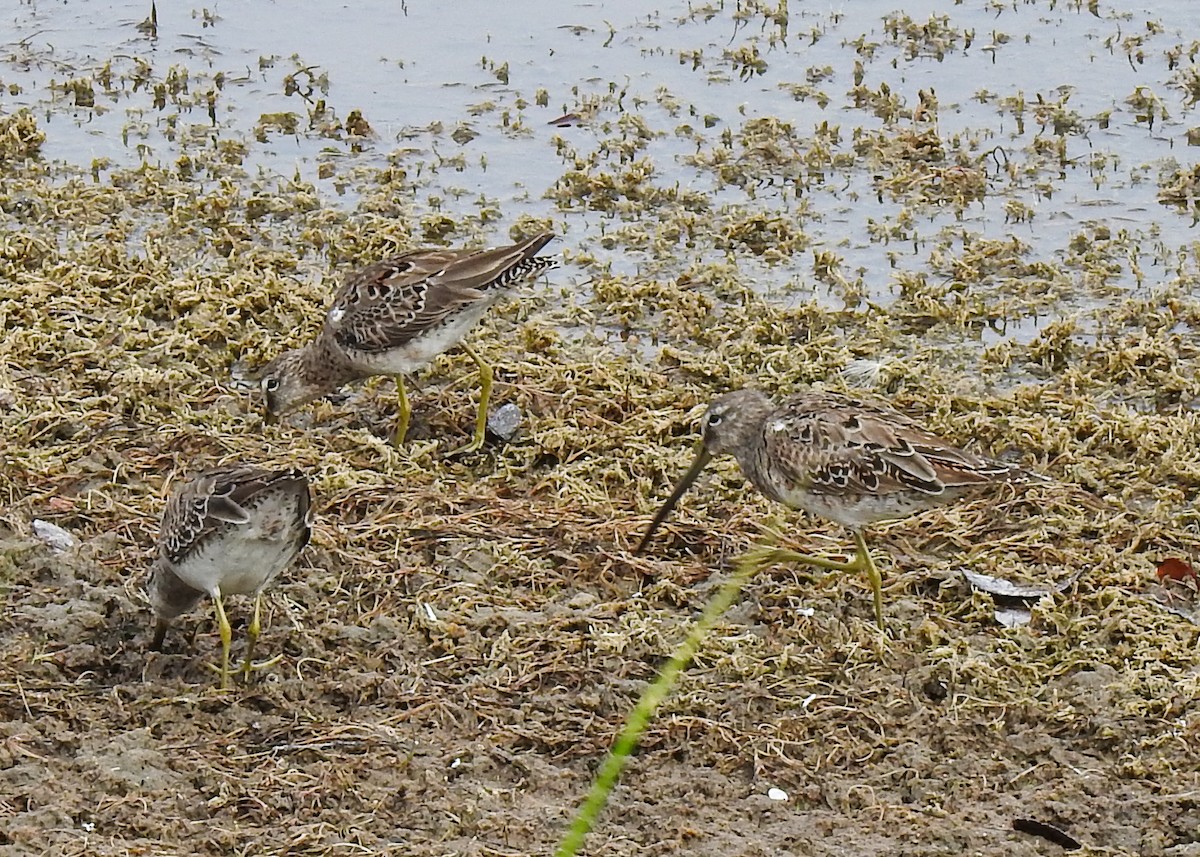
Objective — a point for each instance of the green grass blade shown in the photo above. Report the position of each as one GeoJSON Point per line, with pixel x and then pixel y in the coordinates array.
{"type": "Point", "coordinates": [652, 697]}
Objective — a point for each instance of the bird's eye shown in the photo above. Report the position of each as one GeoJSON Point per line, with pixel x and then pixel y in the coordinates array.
{"type": "Point", "coordinates": [714, 420]}
{"type": "Point", "coordinates": [270, 384]}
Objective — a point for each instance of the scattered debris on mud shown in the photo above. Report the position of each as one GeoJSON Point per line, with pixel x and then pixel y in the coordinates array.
{"type": "Point", "coordinates": [464, 637]}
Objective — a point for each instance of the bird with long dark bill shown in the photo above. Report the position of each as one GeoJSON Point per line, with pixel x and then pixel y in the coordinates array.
{"type": "Point", "coordinates": [853, 461]}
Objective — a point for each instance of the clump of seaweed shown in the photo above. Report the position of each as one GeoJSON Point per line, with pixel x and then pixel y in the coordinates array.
{"type": "Point", "coordinates": [20, 136]}
{"type": "Point", "coordinates": [1180, 189]}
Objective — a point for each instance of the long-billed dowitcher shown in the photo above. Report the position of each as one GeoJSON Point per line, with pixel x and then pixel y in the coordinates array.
{"type": "Point", "coordinates": [230, 530]}
{"type": "Point", "coordinates": [849, 460]}
{"type": "Point", "coordinates": [394, 316]}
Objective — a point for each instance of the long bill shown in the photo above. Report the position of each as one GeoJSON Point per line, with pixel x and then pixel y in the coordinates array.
{"type": "Point", "coordinates": [703, 457]}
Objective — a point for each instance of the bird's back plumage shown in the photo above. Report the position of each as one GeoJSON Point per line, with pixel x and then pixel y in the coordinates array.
{"type": "Point", "coordinates": [852, 460]}
{"type": "Point", "coordinates": [229, 530]}
{"type": "Point", "coordinates": [392, 303]}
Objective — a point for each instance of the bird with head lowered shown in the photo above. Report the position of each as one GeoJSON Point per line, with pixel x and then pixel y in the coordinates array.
{"type": "Point", "coordinates": [854, 461]}
{"type": "Point", "coordinates": [394, 316]}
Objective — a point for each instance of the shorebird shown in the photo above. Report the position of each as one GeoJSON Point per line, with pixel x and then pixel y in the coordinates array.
{"type": "Point", "coordinates": [394, 316]}
{"type": "Point", "coordinates": [230, 530]}
{"type": "Point", "coordinates": [853, 461]}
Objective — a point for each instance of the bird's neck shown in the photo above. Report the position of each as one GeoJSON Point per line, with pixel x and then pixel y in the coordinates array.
{"type": "Point", "coordinates": [323, 357]}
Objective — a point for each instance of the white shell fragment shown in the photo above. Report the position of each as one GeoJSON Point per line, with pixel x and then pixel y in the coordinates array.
{"type": "Point", "coordinates": [777, 794]}
{"type": "Point", "coordinates": [1014, 599]}
{"type": "Point", "coordinates": [1004, 588]}
{"type": "Point", "coordinates": [58, 539]}
{"type": "Point", "coordinates": [1013, 617]}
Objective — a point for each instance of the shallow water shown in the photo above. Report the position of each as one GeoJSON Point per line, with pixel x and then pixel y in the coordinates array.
{"type": "Point", "coordinates": [419, 72]}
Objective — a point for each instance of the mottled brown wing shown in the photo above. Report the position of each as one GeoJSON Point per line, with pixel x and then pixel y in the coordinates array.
{"type": "Point", "coordinates": [860, 446]}
{"type": "Point", "coordinates": [220, 496]}
{"type": "Point", "coordinates": [389, 303]}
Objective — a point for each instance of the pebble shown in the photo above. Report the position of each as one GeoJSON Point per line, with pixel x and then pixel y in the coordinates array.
{"type": "Point", "coordinates": [59, 540]}
{"type": "Point", "coordinates": [504, 421]}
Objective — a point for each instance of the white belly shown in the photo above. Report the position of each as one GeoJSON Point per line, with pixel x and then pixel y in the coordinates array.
{"type": "Point", "coordinates": [245, 558]}
{"type": "Point", "coordinates": [859, 510]}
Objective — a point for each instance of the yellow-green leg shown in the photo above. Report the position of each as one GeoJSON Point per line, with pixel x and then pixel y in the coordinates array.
{"type": "Point", "coordinates": [252, 632]}
{"type": "Point", "coordinates": [405, 412]}
{"type": "Point", "coordinates": [226, 639]}
{"type": "Point", "coordinates": [764, 556]}
{"type": "Point", "coordinates": [485, 397]}
{"type": "Point", "coordinates": [863, 559]}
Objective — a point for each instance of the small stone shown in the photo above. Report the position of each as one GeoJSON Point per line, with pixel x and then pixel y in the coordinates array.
{"type": "Point", "coordinates": [504, 421]}
{"type": "Point", "coordinates": [59, 540]}
{"type": "Point", "coordinates": [581, 601]}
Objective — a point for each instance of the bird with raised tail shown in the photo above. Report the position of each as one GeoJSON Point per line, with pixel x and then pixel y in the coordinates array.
{"type": "Point", "coordinates": [228, 531]}
{"type": "Point", "coordinates": [394, 316]}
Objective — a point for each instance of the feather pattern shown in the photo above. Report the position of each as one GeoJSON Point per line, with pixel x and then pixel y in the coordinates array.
{"type": "Point", "coordinates": [851, 460]}
{"type": "Point", "coordinates": [220, 497]}
{"type": "Point", "coordinates": [229, 530]}
{"type": "Point", "coordinates": [390, 303]}
{"type": "Point", "coordinates": [394, 316]}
